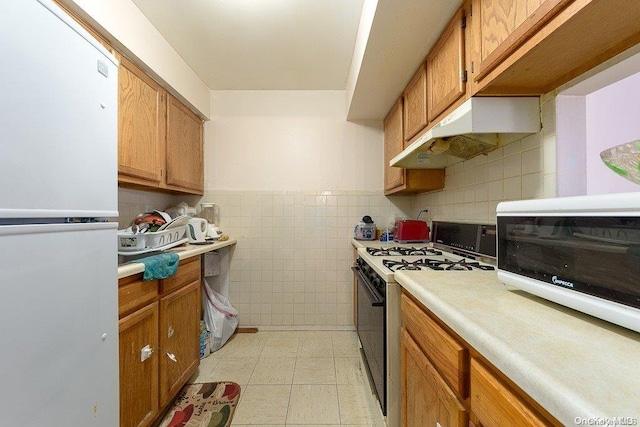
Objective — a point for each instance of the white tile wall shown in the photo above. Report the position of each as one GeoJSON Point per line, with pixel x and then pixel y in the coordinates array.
{"type": "Point", "coordinates": [523, 169]}
{"type": "Point", "coordinates": [291, 266]}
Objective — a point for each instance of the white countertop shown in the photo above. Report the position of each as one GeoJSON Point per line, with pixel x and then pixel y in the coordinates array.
{"type": "Point", "coordinates": [183, 251]}
{"type": "Point", "coordinates": [572, 364]}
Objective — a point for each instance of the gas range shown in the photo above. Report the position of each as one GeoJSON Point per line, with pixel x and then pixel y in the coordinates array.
{"type": "Point", "coordinates": [456, 247]}
{"type": "Point", "coordinates": [383, 262]}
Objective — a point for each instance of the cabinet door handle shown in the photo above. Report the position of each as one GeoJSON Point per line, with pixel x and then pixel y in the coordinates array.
{"type": "Point", "coordinates": [170, 331]}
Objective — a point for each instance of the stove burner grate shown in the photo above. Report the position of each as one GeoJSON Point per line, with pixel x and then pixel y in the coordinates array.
{"type": "Point", "coordinates": [402, 251]}
{"type": "Point", "coordinates": [434, 264]}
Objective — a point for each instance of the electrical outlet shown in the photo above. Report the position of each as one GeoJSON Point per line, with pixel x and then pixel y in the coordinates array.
{"type": "Point", "coordinates": [145, 353]}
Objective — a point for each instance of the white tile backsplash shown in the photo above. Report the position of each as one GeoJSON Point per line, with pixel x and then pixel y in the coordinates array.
{"type": "Point", "coordinates": [292, 261]}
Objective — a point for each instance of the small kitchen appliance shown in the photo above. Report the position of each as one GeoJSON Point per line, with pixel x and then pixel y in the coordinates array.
{"type": "Point", "coordinates": [365, 229]}
{"type": "Point", "coordinates": [197, 230]}
{"type": "Point", "coordinates": [211, 212]}
{"type": "Point", "coordinates": [582, 252]}
{"type": "Point", "coordinates": [411, 231]}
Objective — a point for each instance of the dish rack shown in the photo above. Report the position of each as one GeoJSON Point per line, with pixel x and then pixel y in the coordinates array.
{"type": "Point", "coordinates": [134, 244]}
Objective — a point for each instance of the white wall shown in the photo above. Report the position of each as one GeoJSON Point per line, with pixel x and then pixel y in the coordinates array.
{"type": "Point", "coordinates": [124, 25]}
{"type": "Point", "coordinates": [289, 140]}
{"type": "Point", "coordinates": [612, 118]}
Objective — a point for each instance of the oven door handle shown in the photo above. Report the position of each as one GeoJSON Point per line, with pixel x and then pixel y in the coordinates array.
{"type": "Point", "coordinates": [376, 300]}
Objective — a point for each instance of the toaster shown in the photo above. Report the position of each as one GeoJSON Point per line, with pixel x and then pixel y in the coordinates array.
{"type": "Point", "coordinates": [411, 231]}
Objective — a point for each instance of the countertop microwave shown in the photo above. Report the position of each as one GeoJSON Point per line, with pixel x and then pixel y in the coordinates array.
{"type": "Point", "coordinates": [582, 252]}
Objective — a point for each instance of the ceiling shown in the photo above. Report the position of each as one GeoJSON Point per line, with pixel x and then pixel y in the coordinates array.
{"type": "Point", "coordinates": [303, 44]}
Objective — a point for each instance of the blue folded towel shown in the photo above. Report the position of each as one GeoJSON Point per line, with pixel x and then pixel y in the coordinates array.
{"type": "Point", "coordinates": [159, 266]}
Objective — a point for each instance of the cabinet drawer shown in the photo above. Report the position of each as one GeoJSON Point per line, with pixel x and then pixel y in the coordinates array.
{"type": "Point", "coordinates": [448, 356]}
{"type": "Point", "coordinates": [188, 272]}
{"type": "Point", "coordinates": [133, 294]}
{"type": "Point", "coordinates": [495, 404]}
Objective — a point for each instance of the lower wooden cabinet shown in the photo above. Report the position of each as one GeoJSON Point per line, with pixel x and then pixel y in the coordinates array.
{"type": "Point", "coordinates": [437, 374]}
{"type": "Point", "coordinates": [179, 335]}
{"type": "Point", "coordinates": [138, 379]}
{"type": "Point", "coordinates": [426, 398]}
{"type": "Point", "coordinates": [157, 317]}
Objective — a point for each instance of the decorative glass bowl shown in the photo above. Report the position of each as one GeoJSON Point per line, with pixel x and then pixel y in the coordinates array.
{"type": "Point", "coordinates": [624, 159]}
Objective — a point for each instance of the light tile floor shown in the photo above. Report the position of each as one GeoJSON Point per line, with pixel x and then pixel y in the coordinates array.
{"type": "Point", "coordinates": [295, 378]}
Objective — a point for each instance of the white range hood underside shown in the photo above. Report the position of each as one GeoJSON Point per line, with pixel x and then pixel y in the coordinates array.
{"type": "Point", "coordinates": [478, 126]}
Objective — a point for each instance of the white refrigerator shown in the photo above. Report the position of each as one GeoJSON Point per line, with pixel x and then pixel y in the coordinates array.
{"type": "Point", "coordinates": [58, 191]}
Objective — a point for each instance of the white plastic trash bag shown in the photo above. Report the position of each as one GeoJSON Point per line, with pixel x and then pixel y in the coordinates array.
{"type": "Point", "coordinates": [220, 317]}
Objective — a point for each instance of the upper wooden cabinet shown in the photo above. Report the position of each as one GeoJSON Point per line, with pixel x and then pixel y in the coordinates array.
{"type": "Point", "coordinates": [534, 46]}
{"type": "Point", "coordinates": [446, 68]}
{"type": "Point", "coordinates": [393, 144]}
{"type": "Point", "coordinates": [141, 125]}
{"type": "Point", "coordinates": [160, 143]}
{"type": "Point", "coordinates": [503, 25]}
{"type": "Point", "coordinates": [415, 104]}
{"type": "Point", "coordinates": [184, 147]}
{"type": "Point", "coordinates": [400, 180]}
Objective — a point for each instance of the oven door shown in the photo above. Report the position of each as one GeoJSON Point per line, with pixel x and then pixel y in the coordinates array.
{"type": "Point", "coordinates": [371, 331]}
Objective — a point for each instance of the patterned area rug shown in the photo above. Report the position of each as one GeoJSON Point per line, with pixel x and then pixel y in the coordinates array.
{"type": "Point", "coordinates": [203, 405]}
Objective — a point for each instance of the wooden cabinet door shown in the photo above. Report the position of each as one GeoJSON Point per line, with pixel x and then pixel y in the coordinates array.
{"type": "Point", "coordinates": [180, 336]}
{"type": "Point", "coordinates": [501, 26]}
{"type": "Point", "coordinates": [415, 104]}
{"type": "Point", "coordinates": [446, 68]}
{"type": "Point", "coordinates": [184, 155]}
{"type": "Point", "coordinates": [426, 399]}
{"type": "Point", "coordinates": [139, 379]}
{"type": "Point", "coordinates": [393, 145]}
{"type": "Point", "coordinates": [141, 126]}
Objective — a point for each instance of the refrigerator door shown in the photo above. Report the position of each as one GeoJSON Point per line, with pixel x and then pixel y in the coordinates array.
{"type": "Point", "coordinates": [59, 332]}
{"type": "Point", "coordinates": [58, 116]}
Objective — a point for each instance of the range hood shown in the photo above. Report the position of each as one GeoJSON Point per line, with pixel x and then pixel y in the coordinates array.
{"type": "Point", "coordinates": [478, 126]}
